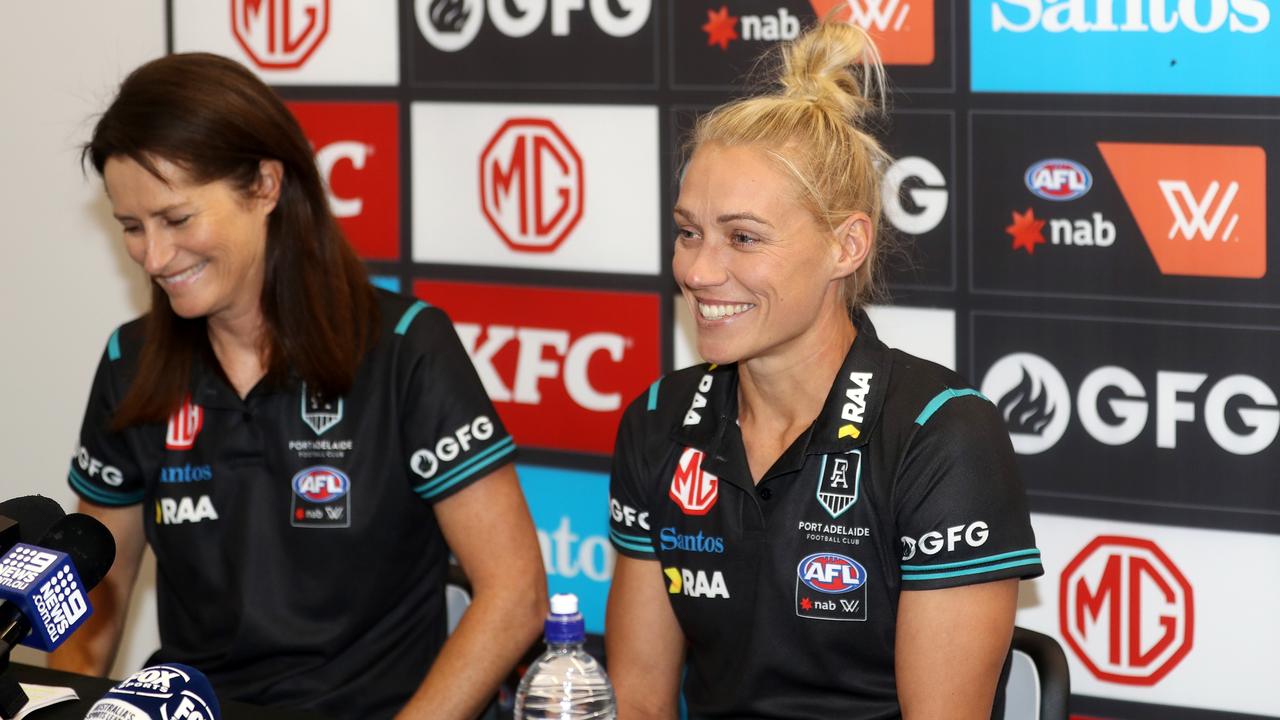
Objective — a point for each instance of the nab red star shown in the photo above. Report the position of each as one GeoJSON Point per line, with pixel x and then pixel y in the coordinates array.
{"type": "Point", "coordinates": [721, 27]}
{"type": "Point", "coordinates": [1026, 230]}
{"type": "Point", "coordinates": [806, 604]}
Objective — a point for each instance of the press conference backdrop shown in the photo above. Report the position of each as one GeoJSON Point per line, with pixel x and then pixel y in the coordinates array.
{"type": "Point", "coordinates": [1083, 185]}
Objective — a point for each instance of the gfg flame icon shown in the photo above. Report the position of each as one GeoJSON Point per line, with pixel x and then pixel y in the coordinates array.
{"type": "Point", "coordinates": [1033, 400]}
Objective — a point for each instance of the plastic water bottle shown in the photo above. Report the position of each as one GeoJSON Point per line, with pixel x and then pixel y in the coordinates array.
{"type": "Point", "coordinates": [565, 683]}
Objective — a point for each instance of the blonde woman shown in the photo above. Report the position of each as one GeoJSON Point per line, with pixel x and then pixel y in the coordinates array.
{"type": "Point", "coordinates": [812, 525]}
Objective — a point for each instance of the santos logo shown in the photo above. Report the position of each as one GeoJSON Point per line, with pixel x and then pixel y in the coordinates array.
{"type": "Point", "coordinates": [1202, 209]}
{"type": "Point", "coordinates": [531, 184]}
{"type": "Point", "coordinates": [279, 34]}
{"type": "Point", "coordinates": [929, 203]}
{"type": "Point", "coordinates": [1133, 16]}
{"type": "Point", "coordinates": [567, 555]}
{"type": "Point", "coordinates": [1114, 406]}
{"type": "Point", "coordinates": [451, 25]}
{"type": "Point", "coordinates": [573, 355]}
{"type": "Point", "coordinates": [1126, 610]}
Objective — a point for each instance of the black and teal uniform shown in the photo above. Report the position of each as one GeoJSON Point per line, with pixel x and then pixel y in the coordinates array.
{"type": "Point", "coordinates": [787, 590]}
{"type": "Point", "coordinates": [299, 561]}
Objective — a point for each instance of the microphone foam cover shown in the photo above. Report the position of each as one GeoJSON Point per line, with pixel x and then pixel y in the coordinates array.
{"type": "Point", "coordinates": [171, 691]}
{"type": "Point", "coordinates": [89, 543]}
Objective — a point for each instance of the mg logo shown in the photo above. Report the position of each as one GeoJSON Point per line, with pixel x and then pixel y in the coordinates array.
{"type": "Point", "coordinates": [531, 185]}
{"type": "Point", "coordinates": [1126, 610]}
{"type": "Point", "coordinates": [184, 426]}
{"type": "Point", "coordinates": [279, 34]}
{"type": "Point", "coordinates": [692, 488]}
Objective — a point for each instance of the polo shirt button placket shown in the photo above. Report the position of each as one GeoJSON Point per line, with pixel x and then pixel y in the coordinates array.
{"type": "Point", "coordinates": [765, 493]}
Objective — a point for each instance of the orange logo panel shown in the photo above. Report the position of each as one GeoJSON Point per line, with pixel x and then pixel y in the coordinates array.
{"type": "Point", "coordinates": [902, 29]}
{"type": "Point", "coordinates": [1201, 208]}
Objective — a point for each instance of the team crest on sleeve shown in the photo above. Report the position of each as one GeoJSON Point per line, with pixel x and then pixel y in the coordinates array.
{"type": "Point", "coordinates": [838, 480]}
{"type": "Point", "coordinates": [321, 498]}
{"type": "Point", "coordinates": [695, 490]}
{"type": "Point", "coordinates": [184, 426]}
{"type": "Point", "coordinates": [318, 412]}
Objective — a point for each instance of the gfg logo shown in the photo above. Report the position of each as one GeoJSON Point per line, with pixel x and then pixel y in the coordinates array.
{"type": "Point", "coordinates": [1114, 405]}
{"type": "Point", "coordinates": [1126, 610]}
{"type": "Point", "coordinates": [279, 34]}
{"type": "Point", "coordinates": [1159, 16]}
{"type": "Point", "coordinates": [924, 185]}
{"type": "Point", "coordinates": [426, 461]}
{"type": "Point", "coordinates": [451, 25]}
{"type": "Point", "coordinates": [531, 184]}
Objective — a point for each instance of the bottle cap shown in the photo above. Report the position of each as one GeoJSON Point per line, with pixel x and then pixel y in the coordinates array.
{"type": "Point", "coordinates": [564, 604]}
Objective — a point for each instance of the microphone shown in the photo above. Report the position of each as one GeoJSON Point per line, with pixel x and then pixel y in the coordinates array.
{"type": "Point", "coordinates": [26, 519]}
{"type": "Point", "coordinates": [44, 587]}
{"type": "Point", "coordinates": [167, 692]}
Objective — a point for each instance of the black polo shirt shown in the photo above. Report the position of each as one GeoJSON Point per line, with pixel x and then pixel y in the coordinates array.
{"type": "Point", "coordinates": [787, 591]}
{"type": "Point", "coordinates": [299, 561]}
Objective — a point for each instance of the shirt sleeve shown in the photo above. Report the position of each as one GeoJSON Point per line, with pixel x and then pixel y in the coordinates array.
{"type": "Point", "coordinates": [629, 527]}
{"type": "Point", "coordinates": [103, 469]}
{"type": "Point", "coordinates": [960, 505]}
{"type": "Point", "coordinates": [449, 427]}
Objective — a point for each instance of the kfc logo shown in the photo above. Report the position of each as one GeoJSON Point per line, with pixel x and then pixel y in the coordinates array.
{"type": "Point", "coordinates": [1201, 208]}
{"type": "Point", "coordinates": [184, 426]}
{"type": "Point", "coordinates": [357, 150]}
{"type": "Point", "coordinates": [531, 184]}
{"type": "Point", "coordinates": [1126, 610]}
{"type": "Point", "coordinates": [695, 490]}
{"type": "Point", "coordinates": [559, 364]}
{"type": "Point", "coordinates": [279, 34]}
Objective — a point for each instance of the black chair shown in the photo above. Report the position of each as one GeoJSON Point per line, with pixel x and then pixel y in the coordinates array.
{"type": "Point", "coordinates": [1039, 685]}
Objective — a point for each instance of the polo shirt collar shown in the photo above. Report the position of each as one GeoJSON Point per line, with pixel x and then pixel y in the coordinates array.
{"type": "Point", "coordinates": [848, 416]}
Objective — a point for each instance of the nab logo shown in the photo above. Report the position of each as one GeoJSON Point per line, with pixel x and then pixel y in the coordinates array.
{"type": "Point", "coordinates": [184, 426]}
{"type": "Point", "coordinates": [1027, 231]}
{"type": "Point", "coordinates": [279, 34]}
{"type": "Point", "coordinates": [831, 573]}
{"type": "Point", "coordinates": [1126, 610]}
{"type": "Point", "coordinates": [902, 29]}
{"type": "Point", "coordinates": [531, 185]}
{"type": "Point", "coordinates": [321, 484]}
{"type": "Point", "coordinates": [1201, 208]}
{"type": "Point", "coordinates": [1058, 180]}
{"type": "Point", "coordinates": [692, 488]}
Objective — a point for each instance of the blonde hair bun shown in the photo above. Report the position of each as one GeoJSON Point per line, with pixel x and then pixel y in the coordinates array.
{"type": "Point", "coordinates": [837, 66]}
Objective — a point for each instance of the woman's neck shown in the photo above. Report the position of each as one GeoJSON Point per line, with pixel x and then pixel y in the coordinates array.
{"type": "Point", "coordinates": [237, 343]}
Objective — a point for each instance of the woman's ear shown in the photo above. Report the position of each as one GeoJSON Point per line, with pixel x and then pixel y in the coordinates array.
{"type": "Point", "coordinates": [853, 244]}
{"type": "Point", "coordinates": [267, 189]}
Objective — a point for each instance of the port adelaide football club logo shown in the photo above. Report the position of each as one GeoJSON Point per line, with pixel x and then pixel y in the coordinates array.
{"type": "Point", "coordinates": [838, 480]}
{"type": "Point", "coordinates": [319, 412]}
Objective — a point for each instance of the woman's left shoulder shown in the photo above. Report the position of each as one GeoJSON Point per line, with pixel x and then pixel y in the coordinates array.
{"type": "Point", "coordinates": [921, 389]}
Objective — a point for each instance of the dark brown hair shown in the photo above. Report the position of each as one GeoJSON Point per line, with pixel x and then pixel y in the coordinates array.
{"type": "Point", "coordinates": [217, 121]}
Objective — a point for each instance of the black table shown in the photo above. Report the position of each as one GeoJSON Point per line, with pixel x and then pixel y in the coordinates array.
{"type": "Point", "coordinates": [91, 688]}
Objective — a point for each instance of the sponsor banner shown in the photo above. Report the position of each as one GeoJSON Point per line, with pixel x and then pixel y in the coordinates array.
{"type": "Point", "coordinates": [1162, 47]}
{"type": "Point", "coordinates": [559, 365]}
{"type": "Point", "coordinates": [570, 510]}
{"type": "Point", "coordinates": [1153, 614]}
{"type": "Point", "coordinates": [1169, 209]}
{"type": "Point", "coordinates": [537, 43]}
{"type": "Point", "coordinates": [716, 43]}
{"type": "Point", "coordinates": [928, 333]}
{"type": "Point", "coordinates": [1165, 422]}
{"type": "Point", "coordinates": [537, 186]}
{"type": "Point", "coordinates": [357, 148]}
{"type": "Point", "coordinates": [296, 42]}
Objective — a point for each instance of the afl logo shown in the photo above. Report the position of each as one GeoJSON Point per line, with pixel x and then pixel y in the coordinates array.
{"type": "Point", "coordinates": [1058, 179]}
{"type": "Point", "coordinates": [831, 573]}
{"type": "Point", "coordinates": [321, 484]}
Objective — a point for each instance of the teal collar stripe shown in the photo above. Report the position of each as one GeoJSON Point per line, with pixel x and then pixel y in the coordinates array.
{"type": "Point", "coordinates": [653, 395]}
{"type": "Point", "coordinates": [113, 346]}
{"type": "Point", "coordinates": [941, 399]}
{"type": "Point", "coordinates": [466, 469]}
{"type": "Point", "coordinates": [409, 315]}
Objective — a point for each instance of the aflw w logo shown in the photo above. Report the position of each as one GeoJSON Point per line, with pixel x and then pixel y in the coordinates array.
{"type": "Point", "coordinates": [1191, 216]}
{"type": "Point", "coordinates": [903, 29]}
{"type": "Point", "coordinates": [1228, 216]}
